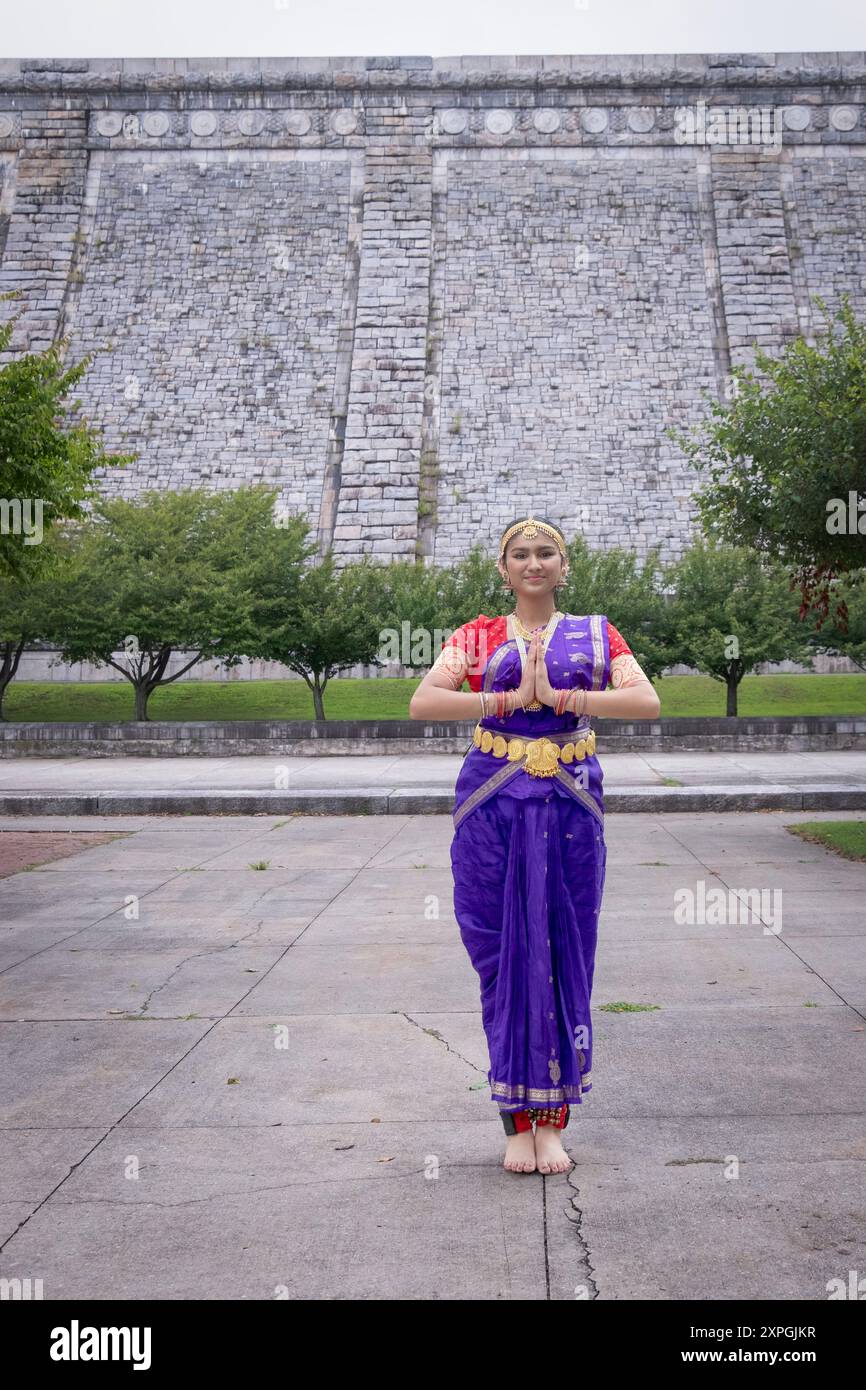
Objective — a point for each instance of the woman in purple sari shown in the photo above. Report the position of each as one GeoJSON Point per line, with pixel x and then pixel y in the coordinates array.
{"type": "Point", "coordinates": [528, 854]}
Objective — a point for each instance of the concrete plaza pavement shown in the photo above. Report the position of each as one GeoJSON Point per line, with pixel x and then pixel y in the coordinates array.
{"type": "Point", "coordinates": [230, 1082]}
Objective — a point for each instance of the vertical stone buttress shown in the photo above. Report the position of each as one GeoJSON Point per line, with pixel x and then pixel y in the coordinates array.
{"type": "Point", "coordinates": [756, 278]}
{"type": "Point", "coordinates": [377, 512]}
{"type": "Point", "coordinates": [42, 243]}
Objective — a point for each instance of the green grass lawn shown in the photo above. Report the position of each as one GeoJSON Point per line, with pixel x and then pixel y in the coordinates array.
{"type": "Point", "coordinates": [389, 699]}
{"type": "Point", "coordinates": [845, 837]}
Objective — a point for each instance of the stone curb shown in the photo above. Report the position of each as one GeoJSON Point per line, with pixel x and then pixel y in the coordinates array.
{"type": "Point", "coordinates": [818, 796]}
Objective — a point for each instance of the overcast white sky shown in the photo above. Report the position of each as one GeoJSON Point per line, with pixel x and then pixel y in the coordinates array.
{"type": "Point", "coordinates": [317, 28]}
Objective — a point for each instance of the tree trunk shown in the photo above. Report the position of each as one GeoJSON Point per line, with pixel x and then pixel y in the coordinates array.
{"type": "Point", "coordinates": [141, 697]}
{"type": "Point", "coordinates": [11, 655]}
{"type": "Point", "coordinates": [733, 686]}
{"type": "Point", "coordinates": [318, 704]}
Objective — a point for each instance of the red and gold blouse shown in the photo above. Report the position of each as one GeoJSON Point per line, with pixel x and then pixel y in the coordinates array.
{"type": "Point", "coordinates": [459, 658]}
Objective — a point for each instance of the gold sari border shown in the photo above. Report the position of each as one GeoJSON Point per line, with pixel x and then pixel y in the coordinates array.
{"type": "Point", "coordinates": [549, 1094]}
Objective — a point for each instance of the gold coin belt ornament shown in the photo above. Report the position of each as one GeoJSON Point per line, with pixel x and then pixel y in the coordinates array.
{"type": "Point", "coordinates": [542, 754]}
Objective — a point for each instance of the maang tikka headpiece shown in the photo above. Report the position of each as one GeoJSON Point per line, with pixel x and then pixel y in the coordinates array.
{"type": "Point", "coordinates": [530, 529]}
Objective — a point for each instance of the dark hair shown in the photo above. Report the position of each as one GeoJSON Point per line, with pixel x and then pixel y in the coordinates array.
{"type": "Point", "coordinates": [556, 528]}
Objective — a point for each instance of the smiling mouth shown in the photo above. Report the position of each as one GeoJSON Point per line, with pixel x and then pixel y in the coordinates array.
{"type": "Point", "coordinates": [534, 578]}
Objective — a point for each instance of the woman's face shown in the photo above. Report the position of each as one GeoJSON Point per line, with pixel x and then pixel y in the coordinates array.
{"type": "Point", "coordinates": [532, 567]}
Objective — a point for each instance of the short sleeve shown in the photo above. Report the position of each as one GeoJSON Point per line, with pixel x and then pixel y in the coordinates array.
{"type": "Point", "coordinates": [464, 653]}
{"type": "Point", "coordinates": [624, 667]}
{"type": "Point", "coordinates": [618, 644]}
{"type": "Point", "coordinates": [459, 654]}
{"type": "Point", "coordinates": [464, 638]}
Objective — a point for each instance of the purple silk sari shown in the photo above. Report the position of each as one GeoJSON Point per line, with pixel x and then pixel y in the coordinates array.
{"type": "Point", "coordinates": [528, 858]}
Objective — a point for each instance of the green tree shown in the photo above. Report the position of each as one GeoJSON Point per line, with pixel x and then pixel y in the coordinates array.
{"type": "Point", "coordinates": [427, 602]}
{"type": "Point", "coordinates": [471, 586]}
{"type": "Point", "coordinates": [22, 608]}
{"type": "Point", "coordinates": [732, 610]}
{"type": "Point", "coordinates": [851, 642]}
{"type": "Point", "coordinates": [319, 623]}
{"type": "Point", "coordinates": [785, 454]}
{"type": "Point", "coordinates": [169, 572]}
{"type": "Point", "coordinates": [413, 596]}
{"type": "Point", "coordinates": [45, 463]}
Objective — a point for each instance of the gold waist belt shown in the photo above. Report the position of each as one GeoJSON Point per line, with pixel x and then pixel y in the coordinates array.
{"type": "Point", "coordinates": [542, 754]}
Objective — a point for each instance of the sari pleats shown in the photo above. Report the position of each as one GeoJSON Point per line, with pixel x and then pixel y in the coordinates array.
{"type": "Point", "coordinates": [528, 881]}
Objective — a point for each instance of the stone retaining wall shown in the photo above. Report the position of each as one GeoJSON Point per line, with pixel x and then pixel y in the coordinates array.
{"type": "Point", "coordinates": [422, 296]}
{"type": "Point", "coordinates": [300, 738]}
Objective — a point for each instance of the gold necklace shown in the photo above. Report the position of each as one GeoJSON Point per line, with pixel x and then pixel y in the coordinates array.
{"type": "Point", "coordinates": [525, 631]}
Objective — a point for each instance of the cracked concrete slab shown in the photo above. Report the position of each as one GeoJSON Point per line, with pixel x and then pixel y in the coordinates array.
{"type": "Point", "coordinates": [320, 1213]}
{"type": "Point", "coordinates": [304, 1103]}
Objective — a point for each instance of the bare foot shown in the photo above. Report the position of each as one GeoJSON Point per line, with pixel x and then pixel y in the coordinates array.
{"type": "Point", "coordinates": [549, 1153]}
{"type": "Point", "coordinates": [520, 1153]}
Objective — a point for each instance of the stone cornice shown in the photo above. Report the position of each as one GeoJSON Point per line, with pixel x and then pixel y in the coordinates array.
{"type": "Point", "coordinates": [93, 76]}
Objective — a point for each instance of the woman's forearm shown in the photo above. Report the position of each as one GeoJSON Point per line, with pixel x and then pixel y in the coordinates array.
{"type": "Point", "coordinates": [638, 701]}
{"type": "Point", "coordinates": [438, 703]}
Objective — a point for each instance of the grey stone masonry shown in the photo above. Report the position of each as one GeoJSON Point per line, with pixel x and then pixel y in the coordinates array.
{"type": "Point", "coordinates": [419, 297]}
{"type": "Point", "coordinates": [358, 738]}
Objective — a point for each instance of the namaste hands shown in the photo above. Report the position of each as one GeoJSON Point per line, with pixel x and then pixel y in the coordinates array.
{"type": "Point", "coordinates": [535, 684]}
